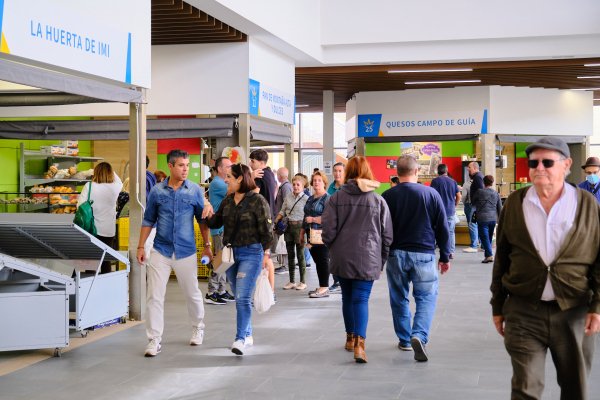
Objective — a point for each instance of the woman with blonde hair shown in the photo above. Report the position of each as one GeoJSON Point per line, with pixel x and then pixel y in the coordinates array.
{"type": "Point", "coordinates": [357, 229]}
{"type": "Point", "coordinates": [293, 210]}
{"type": "Point", "coordinates": [315, 205]}
{"type": "Point", "coordinates": [105, 187]}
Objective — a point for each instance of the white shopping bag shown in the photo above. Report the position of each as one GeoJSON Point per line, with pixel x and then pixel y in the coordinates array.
{"type": "Point", "coordinates": [263, 294]}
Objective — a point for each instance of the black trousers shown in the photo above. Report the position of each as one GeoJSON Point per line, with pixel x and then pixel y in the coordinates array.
{"type": "Point", "coordinates": [531, 330]}
{"type": "Point", "coordinates": [320, 253]}
{"type": "Point", "coordinates": [105, 268]}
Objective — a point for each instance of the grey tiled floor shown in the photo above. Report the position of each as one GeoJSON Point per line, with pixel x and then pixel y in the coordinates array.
{"type": "Point", "coordinates": [298, 354]}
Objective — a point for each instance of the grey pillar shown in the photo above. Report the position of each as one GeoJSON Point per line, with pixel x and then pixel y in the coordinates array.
{"type": "Point", "coordinates": [328, 153]}
{"type": "Point", "coordinates": [137, 197]}
{"type": "Point", "coordinates": [244, 134]}
{"type": "Point", "coordinates": [488, 154]}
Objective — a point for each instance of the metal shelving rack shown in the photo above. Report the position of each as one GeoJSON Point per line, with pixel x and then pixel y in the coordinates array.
{"type": "Point", "coordinates": [63, 161]}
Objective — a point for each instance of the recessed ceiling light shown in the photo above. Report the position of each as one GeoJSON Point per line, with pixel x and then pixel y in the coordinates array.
{"type": "Point", "coordinates": [441, 82]}
{"type": "Point", "coordinates": [591, 65]}
{"type": "Point", "coordinates": [589, 77]}
{"type": "Point", "coordinates": [302, 105]}
{"type": "Point", "coordinates": [416, 71]}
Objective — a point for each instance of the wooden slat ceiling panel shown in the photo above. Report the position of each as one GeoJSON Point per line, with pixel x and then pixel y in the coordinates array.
{"type": "Point", "coordinates": [177, 22]}
{"type": "Point", "coordinates": [348, 80]}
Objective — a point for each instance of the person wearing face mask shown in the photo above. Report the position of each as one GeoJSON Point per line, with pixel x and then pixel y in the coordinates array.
{"type": "Point", "coordinates": [592, 177]}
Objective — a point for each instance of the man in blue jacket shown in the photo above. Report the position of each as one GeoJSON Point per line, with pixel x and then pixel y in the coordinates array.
{"type": "Point", "coordinates": [419, 221]}
{"type": "Point", "coordinates": [172, 206]}
{"type": "Point", "coordinates": [450, 194]}
{"type": "Point", "coordinates": [592, 177]}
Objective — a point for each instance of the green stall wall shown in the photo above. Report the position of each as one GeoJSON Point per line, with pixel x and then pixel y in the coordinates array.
{"type": "Point", "coordinates": [9, 159]}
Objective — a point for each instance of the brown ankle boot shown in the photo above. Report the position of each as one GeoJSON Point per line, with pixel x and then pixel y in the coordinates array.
{"type": "Point", "coordinates": [359, 350]}
{"type": "Point", "coordinates": [349, 342]}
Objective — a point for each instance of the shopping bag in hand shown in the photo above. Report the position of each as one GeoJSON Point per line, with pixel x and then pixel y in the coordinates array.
{"type": "Point", "coordinates": [263, 294]}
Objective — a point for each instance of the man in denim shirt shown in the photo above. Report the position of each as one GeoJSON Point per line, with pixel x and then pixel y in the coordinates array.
{"type": "Point", "coordinates": [171, 207]}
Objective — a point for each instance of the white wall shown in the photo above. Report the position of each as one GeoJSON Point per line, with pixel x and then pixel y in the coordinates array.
{"type": "Point", "coordinates": [292, 27]}
{"type": "Point", "coordinates": [199, 79]}
{"type": "Point", "coordinates": [340, 32]}
{"type": "Point", "coordinates": [533, 111]}
{"type": "Point", "coordinates": [271, 67]}
{"type": "Point", "coordinates": [188, 79]}
{"type": "Point", "coordinates": [381, 21]}
{"type": "Point", "coordinates": [423, 100]}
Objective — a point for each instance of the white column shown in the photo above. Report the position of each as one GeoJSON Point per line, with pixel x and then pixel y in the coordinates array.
{"type": "Point", "coordinates": [137, 197]}
{"type": "Point", "coordinates": [328, 153]}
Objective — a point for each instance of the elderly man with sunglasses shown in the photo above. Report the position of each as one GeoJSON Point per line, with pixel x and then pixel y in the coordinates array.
{"type": "Point", "coordinates": [546, 276]}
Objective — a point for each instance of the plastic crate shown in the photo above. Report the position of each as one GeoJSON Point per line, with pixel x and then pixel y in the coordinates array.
{"type": "Point", "coordinates": [203, 270]}
{"type": "Point", "coordinates": [123, 228]}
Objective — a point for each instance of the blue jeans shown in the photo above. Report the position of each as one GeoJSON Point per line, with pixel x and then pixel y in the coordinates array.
{"type": "Point", "coordinates": [355, 305]}
{"type": "Point", "coordinates": [242, 277]}
{"type": "Point", "coordinates": [486, 233]}
{"type": "Point", "coordinates": [452, 236]}
{"type": "Point", "coordinates": [404, 267]}
{"type": "Point", "coordinates": [472, 225]}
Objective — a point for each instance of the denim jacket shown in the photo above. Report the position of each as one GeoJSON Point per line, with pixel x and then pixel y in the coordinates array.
{"type": "Point", "coordinates": [173, 212]}
{"type": "Point", "coordinates": [314, 208]}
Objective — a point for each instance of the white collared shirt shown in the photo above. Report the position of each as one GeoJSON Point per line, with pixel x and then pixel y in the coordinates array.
{"type": "Point", "coordinates": [548, 231]}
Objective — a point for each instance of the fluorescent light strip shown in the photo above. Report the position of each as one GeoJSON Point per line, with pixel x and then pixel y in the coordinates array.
{"type": "Point", "coordinates": [441, 82]}
{"type": "Point", "coordinates": [302, 105]}
{"type": "Point", "coordinates": [589, 77]}
{"type": "Point", "coordinates": [591, 65]}
{"type": "Point", "coordinates": [416, 71]}
{"type": "Point", "coordinates": [594, 88]}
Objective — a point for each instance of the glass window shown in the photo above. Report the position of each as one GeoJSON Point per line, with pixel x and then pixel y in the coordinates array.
{"type": "Point", "coordinates": [311, 159]}
{"type": "Point", "coordinates": [339, 130]}
{"type": "Point", "coordinates": [311, 135]}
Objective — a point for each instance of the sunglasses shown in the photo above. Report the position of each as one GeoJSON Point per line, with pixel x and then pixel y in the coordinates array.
{"type": "Point", "coordinates": [533, 164]}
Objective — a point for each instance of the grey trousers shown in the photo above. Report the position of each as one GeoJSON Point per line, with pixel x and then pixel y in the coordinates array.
{"type": "Point", "coordinates": [530, 331]}
{"type": "Point", "coordinates": [217, 282]}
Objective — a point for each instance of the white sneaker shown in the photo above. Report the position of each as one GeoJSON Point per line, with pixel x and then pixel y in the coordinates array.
{"type": "Point", "coordinates": [469, 250]}
{"type": "Point", "coordinates": [249, 341]}
{"type": "Point", "coordinates": [289, 285]}
{"type": "Point", "coordinates": [153, 348]}
{"type": "Point", "coordinates": [197, 336]}
{"type": "Point", "coordinates": [301, 286]}
{"type": "Point", "coordinates": [238, 347]}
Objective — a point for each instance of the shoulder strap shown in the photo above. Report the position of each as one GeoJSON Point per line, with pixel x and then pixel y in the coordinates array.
{"type": "Point", "coordinates": [596, 189]}
{"type": "Point", "coordinates": [89, 192]}
{"type": "Point", "coordinates": [301, 197]}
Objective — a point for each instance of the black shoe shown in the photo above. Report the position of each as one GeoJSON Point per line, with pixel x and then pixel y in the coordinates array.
{"type": "Point", "coordinates": [418, 348]}
{"type": "Point", "coordinates": [227, 296]}
{"type": "Point", "coordinates": [214, 298]}
{"type": "Point", "coordinates": [281, 270]}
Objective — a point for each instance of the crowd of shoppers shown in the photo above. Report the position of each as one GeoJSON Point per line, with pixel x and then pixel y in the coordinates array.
{"type": "Point", "coordinates": [547, 233]}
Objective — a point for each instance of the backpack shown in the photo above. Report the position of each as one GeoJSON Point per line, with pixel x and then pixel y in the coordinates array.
{"type": "Point", "coordinates": [84, 216]}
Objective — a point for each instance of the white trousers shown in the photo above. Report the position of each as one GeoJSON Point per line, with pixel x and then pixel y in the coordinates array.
{"type": "Point", "coordinates": [158, 270]}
